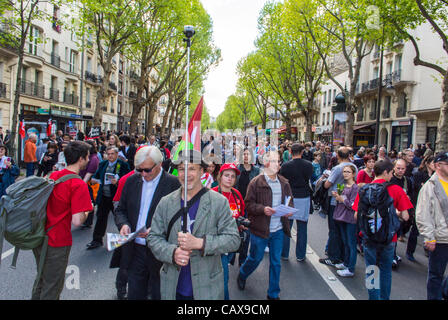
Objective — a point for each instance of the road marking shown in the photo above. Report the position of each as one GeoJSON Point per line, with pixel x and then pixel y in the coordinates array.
{"type": "Point", "coordinates": [7, 253]}
{"type": "Point", "coordinates": [324, 271]}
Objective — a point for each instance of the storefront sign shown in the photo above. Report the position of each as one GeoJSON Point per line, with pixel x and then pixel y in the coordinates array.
{"type": "Point", "coordinates": [43, 111]}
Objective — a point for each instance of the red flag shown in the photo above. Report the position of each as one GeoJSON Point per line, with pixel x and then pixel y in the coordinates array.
{"type": "Point", "coordinates": [22, 129]}
{"type": "Point", "coordinates": [49, 127]}
{"type": "Point", "coordinates": [194, 126]}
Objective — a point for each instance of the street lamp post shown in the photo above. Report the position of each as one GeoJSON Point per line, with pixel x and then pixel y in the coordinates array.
{"type": "Point", "coordinates": [189, 33]}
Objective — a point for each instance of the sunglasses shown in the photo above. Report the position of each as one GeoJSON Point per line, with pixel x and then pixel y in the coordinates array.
{"type": "Point", "coordinates": [146, 170]}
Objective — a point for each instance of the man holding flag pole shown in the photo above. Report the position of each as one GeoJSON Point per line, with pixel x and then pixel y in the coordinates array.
{"type": "Point", "coordinates": [190, 248]}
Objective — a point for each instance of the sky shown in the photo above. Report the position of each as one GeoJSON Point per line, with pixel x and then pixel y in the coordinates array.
{"type": "Point", "coordinates": [234, 32]}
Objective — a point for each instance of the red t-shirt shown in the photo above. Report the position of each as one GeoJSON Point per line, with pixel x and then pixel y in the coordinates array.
{"type": "Point", "coordinates": [401, 200]}
{"type": "Point", "coordinates": [234, 203]}
{"type": "Point", "coordinates": [121, 184]}
{"type": "Point", "coordinates": [363, 177]}
{"type": "Point", "coordinates": [68, 198]}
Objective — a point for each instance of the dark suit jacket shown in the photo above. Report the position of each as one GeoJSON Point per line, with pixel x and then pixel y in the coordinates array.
{"type": "Point", "coordinates": [130, 155]}
{"type": "Point", "coordinates": [128, 208]}
{"type": "Point", "coordinates": [101, 172]}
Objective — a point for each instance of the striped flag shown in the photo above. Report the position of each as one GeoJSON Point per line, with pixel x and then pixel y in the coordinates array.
{"type": "Point", "coordinates": [194, 132]}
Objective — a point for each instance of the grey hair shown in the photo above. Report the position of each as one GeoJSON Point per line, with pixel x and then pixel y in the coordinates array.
{"type": "Point", "coordinates": [32, 136]}
{"type": "Point", "coordinates": [148, 152]}
{"type": "Point", "coordinates": [115, 149]}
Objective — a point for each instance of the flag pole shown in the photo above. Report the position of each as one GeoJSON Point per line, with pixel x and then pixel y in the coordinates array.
{"type": "Point", "coordinates": [189, 32]}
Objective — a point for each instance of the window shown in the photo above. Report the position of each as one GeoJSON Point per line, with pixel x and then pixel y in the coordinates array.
{"type": "Point", "coordinates": [56, 25]}
{"type": "Point", "coordinates": [375, 73]}
{"type": "Point", "coordinates": [398, 59]}
{"type": "Point", "coordinates": [334, 93]}
{"type": "Point", "coordinates": [34, 40]}
{"type": "Point", "coordinates": [323, 119]}
{"type": "Point", "coordinates": [87, 95]}
{"type": "Point", "coordinates": [119, 108]}
{"type": "Point", "coordinates": [1, 71]}
{"type": "Point", "coordinates": [72, 65]}
{"type": "Point", "coordinates": [325, 99]}
{"type": "Point", "coordinates": [329, 97]}
{"type": "Point", "coordinates": [89, 64]}
{"type": "Point", "coordinates": [328, 118]}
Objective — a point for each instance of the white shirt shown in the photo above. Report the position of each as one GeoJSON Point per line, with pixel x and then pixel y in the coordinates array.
{"type": "Point", "coordinates": [148, 189]}
{"type": "Point", "coordinates": [276, 223]}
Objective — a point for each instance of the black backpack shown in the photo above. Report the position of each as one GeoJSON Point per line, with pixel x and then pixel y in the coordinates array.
{"type": "Point", "coordinates": [377, 217]}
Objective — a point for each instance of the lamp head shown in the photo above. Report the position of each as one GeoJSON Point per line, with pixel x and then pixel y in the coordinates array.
{"type": "Point", "coordinates": [189, 31]}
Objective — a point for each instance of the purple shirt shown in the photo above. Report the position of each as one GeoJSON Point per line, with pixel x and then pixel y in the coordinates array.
{"type": "Point", "coordinates": [343, 211]}
{"type": "Point", "coordinates": [184, 284]}
{"type": "Point", "coordinates": [92, 166]}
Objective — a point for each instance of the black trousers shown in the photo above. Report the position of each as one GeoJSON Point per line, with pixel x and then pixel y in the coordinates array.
{"type": "Point", "coordinates": [102, 214]}
{"type": "Point", "coordinates": [143, 274]}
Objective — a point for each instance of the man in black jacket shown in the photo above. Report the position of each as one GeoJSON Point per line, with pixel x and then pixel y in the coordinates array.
{"type": "Point", "coordinates": [141, 195]}
{"type": "Point", "coordinates": [298, 172]}
{"type": "Point", "coordinates": [129, 150]}
{"type": "Point", "coordinates": [108, 173]}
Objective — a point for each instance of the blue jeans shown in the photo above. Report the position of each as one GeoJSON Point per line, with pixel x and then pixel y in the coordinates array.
{"type": "Point", "coordinates": [385, 270]}
{"type": "Point", "coordinates": [335, 252]}
{"type": "Point", "coordinates": [438, 260]}
{"type": "Point", "coordinates": [225, 260]}
{"type": "Point", "coordinates": [29, 169]}
{"type": "Point", "coordinates": [348, 234]}
{"type": "Point", "coordinates": [256, 254]}
{"type": "Point", "coordinates": [300, 241]}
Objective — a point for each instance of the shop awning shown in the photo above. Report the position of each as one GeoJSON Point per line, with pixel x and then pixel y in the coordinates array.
{"type": "Point", "coordinates": [363, 126]}
{"type": "Point", "coordinates": [283, 129]}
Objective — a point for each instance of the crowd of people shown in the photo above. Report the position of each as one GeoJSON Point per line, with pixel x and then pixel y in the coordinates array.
{"type": "Point", "coordinates": [231, 210]}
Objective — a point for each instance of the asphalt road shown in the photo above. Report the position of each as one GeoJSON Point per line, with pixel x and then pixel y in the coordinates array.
{"type": "Point", "coordinates": [307, 280]}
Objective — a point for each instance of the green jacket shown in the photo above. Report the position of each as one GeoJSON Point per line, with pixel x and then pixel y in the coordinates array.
{"type": "Point", "coordinates": [214, 221]}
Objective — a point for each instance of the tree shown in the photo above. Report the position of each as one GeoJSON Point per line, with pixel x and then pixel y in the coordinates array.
{"type": "Point", "coordinates": [112, 23]}
{"type": "Point", "coordinates": [342, 23]}
{"type": "Point", "coordinates": [18, 16]}
{"type": "Point", "coordinates": [404, 16]}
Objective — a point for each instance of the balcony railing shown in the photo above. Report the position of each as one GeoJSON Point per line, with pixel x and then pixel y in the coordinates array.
{"type": "Point", "coordinates": [385, 114]}
{"type": "Point", "coordinates": [132, 95]}
{"type": "Point", "coordinates": [99, 79]}
{"type": "Point", "coordinates": [88, 105]}
{"type": "Point", "coordinates": [113, 86]}
{"type": "Point", "coordinates": [134, 75]}
{"type": "Point", "coordinates": [32, 89]}
{"type": "Point", "coordinates": [376, 55]}
{"type": "Point", "coordinates": [54, 94]}
{"type": "Point", "coordinates": [55, 60]}
{"type": "Point", "coordinates": [365, 86]}
{"type": "Point", "coordinates": [70, 98]}
{"type": "Point", "coordinates": [396, 76]}
{"type": "Point", "coordinates": [372, 115]}
{"type": "Point", "coordinates": [374, 83]}
{"type": "Point", "coordinates": [112, 110]}
{"type": "Point", "coordinates": [104, 108]}
{"type": "Point", "coordinates": [3, 88]}
{"type": "Point", "coordinates": [90, 76]}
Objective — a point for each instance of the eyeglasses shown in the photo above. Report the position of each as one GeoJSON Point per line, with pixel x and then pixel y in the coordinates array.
{"type": "Point", "coordinates": [145, 169]}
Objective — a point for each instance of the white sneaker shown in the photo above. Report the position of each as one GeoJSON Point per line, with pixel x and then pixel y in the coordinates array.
{"type": "Point", "coordinates": [266, 249]}
{"type": "Point", "coordinates": [340, 266]}
{"type": "Point", "coordinates": [345, 273]}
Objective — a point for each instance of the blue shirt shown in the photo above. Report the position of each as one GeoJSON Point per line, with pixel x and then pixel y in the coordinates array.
{"type": "Point", "coordinates": [184, 284]}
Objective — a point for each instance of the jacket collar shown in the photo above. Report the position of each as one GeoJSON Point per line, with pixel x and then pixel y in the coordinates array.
{"type": "Point", "coordinates": [440, 193]}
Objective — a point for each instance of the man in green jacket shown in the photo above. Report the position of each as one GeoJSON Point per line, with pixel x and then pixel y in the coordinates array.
{"type": "Point", "coordinates": [192, 268]}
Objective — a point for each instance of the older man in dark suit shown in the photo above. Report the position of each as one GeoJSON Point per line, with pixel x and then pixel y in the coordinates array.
{"type": "Point", "coordinates": [141, 195]}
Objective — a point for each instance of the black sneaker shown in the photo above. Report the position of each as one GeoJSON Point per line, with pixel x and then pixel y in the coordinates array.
{"type": "Point", "coordinates": [328, 262]}
{"type": "Point", "coordinates": [94, 244]}
{"type": "Point", "coordinates": [241, 283]}
{"type": "Point", "coordinates": [270, 298]}
{"type": "Point", "coordinates": [121, 296]}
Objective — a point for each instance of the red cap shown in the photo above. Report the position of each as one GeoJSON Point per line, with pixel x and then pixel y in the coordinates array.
{"type": "Point", "coordinates": [230, 166]}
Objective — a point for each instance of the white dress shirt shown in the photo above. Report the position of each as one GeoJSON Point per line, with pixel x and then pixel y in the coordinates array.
{"type": "Point", "coordinates": [148, 189]}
